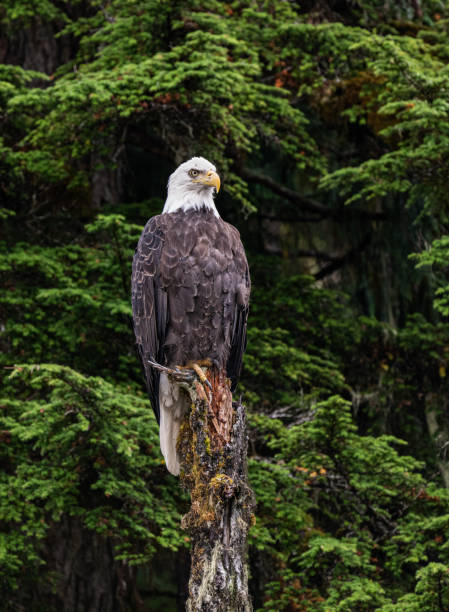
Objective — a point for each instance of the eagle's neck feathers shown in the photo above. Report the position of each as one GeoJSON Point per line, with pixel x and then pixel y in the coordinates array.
{"type": "Point", "coordinates": [182, 198]}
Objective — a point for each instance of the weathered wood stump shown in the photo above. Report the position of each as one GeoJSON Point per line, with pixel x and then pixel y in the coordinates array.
{"type": "Point", "coordinates": [214, 471]}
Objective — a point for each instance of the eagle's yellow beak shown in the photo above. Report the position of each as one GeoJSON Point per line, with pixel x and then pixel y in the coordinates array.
{"type": "Point", "coordinates": [211, 178]}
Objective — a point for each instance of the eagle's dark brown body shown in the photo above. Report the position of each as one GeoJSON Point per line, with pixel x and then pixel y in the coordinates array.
{"type": "Point", "coordinates": [190, 293]}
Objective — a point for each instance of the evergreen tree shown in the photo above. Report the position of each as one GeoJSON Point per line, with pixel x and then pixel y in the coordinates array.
{"type": "Point", "coordinates": [328, 124]}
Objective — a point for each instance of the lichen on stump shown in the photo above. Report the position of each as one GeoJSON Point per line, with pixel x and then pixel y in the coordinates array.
{"type": "Point", "coordinates": [212, 445]}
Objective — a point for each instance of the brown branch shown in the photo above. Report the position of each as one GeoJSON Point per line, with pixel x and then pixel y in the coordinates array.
{"type": "Point", "coordinates": [308, 204]}
{"type": "Point", "coordinates": [289, 194]}
{"type": "Point", "coordinates": [339, 262]}
{"type": "Point", "coordinates": [291, 219]}
{"type": "Point", "coordinates": [316, 255]}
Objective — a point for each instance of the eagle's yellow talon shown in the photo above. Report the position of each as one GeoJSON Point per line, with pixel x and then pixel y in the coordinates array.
{"type": "Point", "coordinates": [203, 378]}
{"type": "Point", "coordinates": [201, 375]}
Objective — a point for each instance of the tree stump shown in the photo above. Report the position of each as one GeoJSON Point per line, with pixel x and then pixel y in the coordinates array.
{"type": "Point", "coordinates": [214, 471]}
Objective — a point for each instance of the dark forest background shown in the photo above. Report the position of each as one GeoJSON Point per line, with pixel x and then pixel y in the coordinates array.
{"type": "Point", "coordinates": [328, 122]}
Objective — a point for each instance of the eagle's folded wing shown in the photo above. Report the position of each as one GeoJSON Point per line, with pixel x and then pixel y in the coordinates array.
{"type": "Point", "coordinates": [149, 304]}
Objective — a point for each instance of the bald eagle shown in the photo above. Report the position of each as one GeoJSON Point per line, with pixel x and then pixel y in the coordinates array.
{"type": "Point", "coordinates": [190, 294]}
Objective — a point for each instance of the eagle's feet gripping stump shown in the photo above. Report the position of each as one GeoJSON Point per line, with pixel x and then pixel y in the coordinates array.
{"type": "Point", "coordinates": [186, 375]}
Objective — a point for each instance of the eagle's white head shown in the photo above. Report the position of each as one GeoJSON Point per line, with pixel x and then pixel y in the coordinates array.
{"type": "Point", "coordinates": [192, 186]}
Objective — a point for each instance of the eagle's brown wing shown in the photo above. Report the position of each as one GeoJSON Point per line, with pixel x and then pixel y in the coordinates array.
{"type": "Point", "coordinates": [238, 337]}
{"type": "Point", "coordinates": [149, 304]}
{"type": "Point", "coordinates": [238, 346]}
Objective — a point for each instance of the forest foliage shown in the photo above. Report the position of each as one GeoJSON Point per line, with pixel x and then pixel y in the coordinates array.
{"type": "Point", "coordinates": [328, 123]}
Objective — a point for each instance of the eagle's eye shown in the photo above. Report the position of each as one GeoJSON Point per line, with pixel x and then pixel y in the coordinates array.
{"type": "Point", "coordinates": [193, 173]}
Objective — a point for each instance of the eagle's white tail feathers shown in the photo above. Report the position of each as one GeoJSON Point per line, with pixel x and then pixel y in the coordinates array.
{"type": "Point", "coordinates": [173, 406]}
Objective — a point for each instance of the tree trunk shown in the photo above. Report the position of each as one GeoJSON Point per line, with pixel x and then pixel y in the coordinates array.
{"type": "Point", "coordinates": [80, 575]}
{"type": "Point", "coordinates": [215, 473]}
{"type": "Point", "coordinates": [438, 433]}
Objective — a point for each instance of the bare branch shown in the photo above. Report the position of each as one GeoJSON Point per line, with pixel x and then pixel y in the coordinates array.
{"type": "Point", "coordinates": [339, 262]}
{"type": "Point", "coordinates": [308, 204]}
